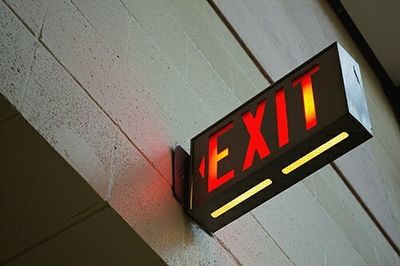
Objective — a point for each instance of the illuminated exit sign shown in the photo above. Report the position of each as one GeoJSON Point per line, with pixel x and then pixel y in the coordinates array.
{"type": "Point", "coordinates": [304, 121]}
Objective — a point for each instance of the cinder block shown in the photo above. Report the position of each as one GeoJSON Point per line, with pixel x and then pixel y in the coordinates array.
{"type": "Point", "coordinates": [17, 47]}
{"type": "Point", "coordinates": [110, 19]}
{"type": "Point", "coordinates": [378, 183]}
{"type": "Point", "coordinates": [263, 41]}
{"type": "Point", "coordinates": [212, 89]}
{"type": "Point", "coordinates": [120, 93]}
{"type": "Point", "coordinates": [284, 227]}
{"type": "Point", "coordinates": [176, 97]}
{"type": "Point", "coordinates": [284, 34]}
{"type": "Point", "coordinates": [158, 22]}
{"type": "Point", "coordinates": [333, 195]}
{"type": "Point", "coordinates": [304, 230]}
{"type": "Point", "coordinates": [104, 76]}
{"type": "Point", "coordinates": [249, 243]}
{"type": "Point", "coordinates": [69, 120]}
{"type": "Point", "coordinates": [245, 66]}
{"type": "Point", "coordinates": [194, 19]}
{"type": "Point", "coordinates": [171, 32]}
{"type": "Point", "coordinates": [32, 12]}
{"type": "Point", "coordinates": [326, 232]}
{"type": "Point", "coordinates": [145, 200]}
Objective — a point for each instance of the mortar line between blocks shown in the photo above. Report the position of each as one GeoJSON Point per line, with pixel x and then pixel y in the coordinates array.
{"type": "Point", "coordinates": [28, 76]}
{"type": "Point", "coordinates": [21, 100]}
{"type": "Point", "coordinates": [111, 178]}
{"type": "Point", "coordinates": [94, 28]}
{"type": "Point", "coordinates": [204, 57]}
{"type": "Point", "coordinates": [239, 39]}
{"type": "Point", "coordinates": [41, 42]}
{"type": "Point", "coordinates": [104, 112]}
{"type": "Point", "coordinates": [128, 36]}
{"type": "Point", "coordinates": [366, 208]}
{"type": "Point", "coordinates": [276, 243]}
{"type": "Point", "coordinates": [168, 59]}
{"type": "Point", "coordinates": [131, 13]}
{"type": "Point", "coordinates": [19, 17]}
{"type": "Point", "coordinates": [376, 255]}
{"type": "Point", "coordinates": [43, 20]}
{"type": "Point", "coordinates": [83, 15]}
{"type": "Point", "coordinates": [227, 250]}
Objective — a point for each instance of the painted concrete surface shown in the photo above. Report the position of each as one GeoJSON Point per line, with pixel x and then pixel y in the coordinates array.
{"type": "Point", "coordinates": [115, 85]}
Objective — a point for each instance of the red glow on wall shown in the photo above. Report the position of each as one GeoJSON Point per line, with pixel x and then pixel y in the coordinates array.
{"type": "Point", "coordinates": [308, 96]}
{"type": "Point", "coordinates": [257, 142]}
{"type": "Point", "coordinates": [214, 157]}
{"type": "Point", "coordinates": [281, 117]}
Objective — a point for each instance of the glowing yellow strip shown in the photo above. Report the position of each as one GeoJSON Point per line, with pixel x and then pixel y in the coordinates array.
{"type": "Point", "coordinates": [314, 153]}
{"type": "Point", "coordinates": [239, 199]}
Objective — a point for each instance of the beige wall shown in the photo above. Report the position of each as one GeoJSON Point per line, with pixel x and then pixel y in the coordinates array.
{"type": "Point", "coordinates": [114, 85]}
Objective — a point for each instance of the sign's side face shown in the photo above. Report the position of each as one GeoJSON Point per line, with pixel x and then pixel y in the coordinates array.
{"type": "Point", "coordinates": [274, 140]}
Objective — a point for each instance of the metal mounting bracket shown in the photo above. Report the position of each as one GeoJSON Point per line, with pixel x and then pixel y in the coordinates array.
{"type": "Point", "coordinates": [181, 161]}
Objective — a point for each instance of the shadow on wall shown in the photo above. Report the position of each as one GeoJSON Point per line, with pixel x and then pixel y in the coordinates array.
{"type": "Point", "coordinates": [53, 216]}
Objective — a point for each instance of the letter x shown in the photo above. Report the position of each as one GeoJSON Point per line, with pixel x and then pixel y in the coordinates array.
{"type": "Point", "coordinates": [257, 141]}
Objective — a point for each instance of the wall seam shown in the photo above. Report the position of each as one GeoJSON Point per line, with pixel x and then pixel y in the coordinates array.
{"type": "Point", "coordinates": [131, 13]}
{"type": "Point", "coordinates": [20, 100]}
{"type": "Point", "coordinates": [103, 111]}
{"type": "Point", "coordinates": [365, 207]}
{"type": "Point", "coordinates": [241, 42]}
{"type": "Point", "coordinates": [99, 106]}
{"type": "Point", "coordinates": [28, 75]}
{"type": "Point", "coordinates": [19, 18]}
{"type": "Point", "coordinates": [86, 214]}
{"type": "Point", "coordinates": [128, 36]}
{"type": "Point", "coordinates": [88, 21]}
{"type": "Point", "coordinates": [43, 20]}
{"type": "Point", "coordinates": [230, 54]}
{"type": "Point", "coordinates": [178, 73]}
{"type": "Point", "coordinates": [227, 250]}
{"type": "Point", "coordinates": [41, 42]}
{"type": "Point", "coordinates": [276, 243]}
{"type": "Point", "coordinates": [111, 178]}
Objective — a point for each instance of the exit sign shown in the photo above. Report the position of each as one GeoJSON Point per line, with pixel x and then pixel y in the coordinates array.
{"type": "Point", "coordinates": [304, 121]}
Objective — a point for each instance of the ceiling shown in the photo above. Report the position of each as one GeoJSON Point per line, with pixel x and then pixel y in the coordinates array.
{"type": "Point", "coordinates": [379, 24]}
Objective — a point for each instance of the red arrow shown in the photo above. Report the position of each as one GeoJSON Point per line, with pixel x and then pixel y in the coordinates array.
{"type": "Point", "coordinates": [202, 167]}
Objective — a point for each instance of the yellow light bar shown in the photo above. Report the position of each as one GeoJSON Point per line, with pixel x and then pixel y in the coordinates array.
{"type": "Point", "coordinates": [314, 153]}
{"type": "Point", "coordinates": [242, 197]}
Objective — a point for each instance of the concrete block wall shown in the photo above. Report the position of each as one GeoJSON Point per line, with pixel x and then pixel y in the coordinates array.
{"type": "Point", "coordinates": [114, 85]}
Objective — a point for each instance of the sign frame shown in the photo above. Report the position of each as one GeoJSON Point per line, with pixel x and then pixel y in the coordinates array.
{"type": "Point", "coordinates": [347, 125]}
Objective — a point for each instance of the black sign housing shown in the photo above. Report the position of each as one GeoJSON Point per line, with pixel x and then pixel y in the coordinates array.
{"type": "Point", "coordinates": [273, 130]}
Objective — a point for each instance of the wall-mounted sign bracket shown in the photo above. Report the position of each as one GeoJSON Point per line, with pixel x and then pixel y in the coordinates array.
{"type": "Point", "coordinates": [181, 175]}
{"type": "Point", "coordinates": [305, 120]}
